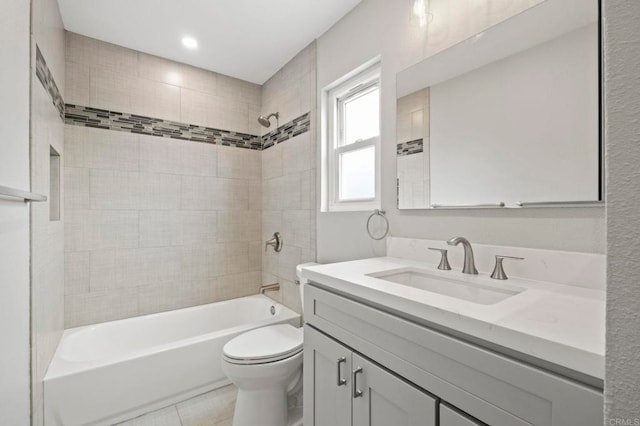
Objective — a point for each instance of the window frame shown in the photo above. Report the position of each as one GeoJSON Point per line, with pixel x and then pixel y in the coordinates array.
{"type": "Point", "coordinates": [354, 86]}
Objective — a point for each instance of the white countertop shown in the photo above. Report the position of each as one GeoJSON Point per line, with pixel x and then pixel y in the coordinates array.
{"type": "Point", "coordinates": [561, 324]}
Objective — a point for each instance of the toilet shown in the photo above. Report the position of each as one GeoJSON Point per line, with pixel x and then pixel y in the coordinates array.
{"type": "Point", "coordinates": [266, 366]}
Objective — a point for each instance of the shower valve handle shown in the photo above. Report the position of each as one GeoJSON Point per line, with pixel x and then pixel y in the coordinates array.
{"type": "Point", "coordinates": [275, 242]}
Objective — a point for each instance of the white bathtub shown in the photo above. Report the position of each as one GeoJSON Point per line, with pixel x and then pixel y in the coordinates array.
{"type": "Point", "coordinates": [110, 372]}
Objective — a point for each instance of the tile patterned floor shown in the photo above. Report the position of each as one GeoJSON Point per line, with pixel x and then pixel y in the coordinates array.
{"type": "Point", "coordinates": [214, 408]}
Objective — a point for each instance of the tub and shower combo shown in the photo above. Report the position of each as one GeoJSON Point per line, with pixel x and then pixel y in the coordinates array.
{"type": "Point", "coordinates": [105, 373]}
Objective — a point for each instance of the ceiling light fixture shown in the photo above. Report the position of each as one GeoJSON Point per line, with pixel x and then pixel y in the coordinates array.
{"type": "Point", "coordinates": [189, 42]}
{"type": "Point", "coordinates": [420, 14]}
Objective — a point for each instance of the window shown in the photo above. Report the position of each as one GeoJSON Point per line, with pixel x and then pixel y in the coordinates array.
{"type": "Point", "coordinates": [352, 143]}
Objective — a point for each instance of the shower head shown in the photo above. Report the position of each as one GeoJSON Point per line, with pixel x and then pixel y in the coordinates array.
{"type": "Point", "coordinates": [266, 121]}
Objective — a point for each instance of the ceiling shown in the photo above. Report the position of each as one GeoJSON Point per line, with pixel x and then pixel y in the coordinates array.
{"type": "Point", "coordinates": [246, 39]}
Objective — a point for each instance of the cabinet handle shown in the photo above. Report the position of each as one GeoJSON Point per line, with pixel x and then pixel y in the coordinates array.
{"type": "Point", "coordinates": [357, 393]}
{"type": "Point", "coordinates": [341, 381]}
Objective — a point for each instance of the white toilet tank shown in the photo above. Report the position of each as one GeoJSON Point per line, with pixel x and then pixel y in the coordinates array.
{"type": "Point", "coordinates": [301, 281]}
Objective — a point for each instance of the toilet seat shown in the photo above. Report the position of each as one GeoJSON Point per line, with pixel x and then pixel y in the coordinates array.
{"type": "Point", "coordinates": [264, 345]}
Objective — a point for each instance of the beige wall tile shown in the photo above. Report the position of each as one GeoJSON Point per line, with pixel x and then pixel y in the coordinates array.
{"type": "Point", "coordinates": [196, 107]}
{"type": "Point", "coordinates": [282, 193]}
{"type": "Point", "coordinates": [203, 193]}
{"type": "Point", "coordinates": [74, 138]}
{"type": "Point", "coordinates": [95, 307]}
{"type": "Point", "coordinates": [230, 87]}
{"type": "Point", "coordinates": [236, 257]}
{"type": "Point", "coordinates": [199, 79]}
{"type": "Point", "coordinates": [175, 295]}
{"type": "Point", "coordinates": [111, 150]}
{"type": "Point", "coordinates": [297, 227]}
{"type": "Point", "coordinates": [243, 225]}
{"type": "Point", "coordinates": [159, 191]}
{"type": "Point", "coordinates": [100, 230]}
{"type": "Point", "coordinates": [271, 222]}
{"type": "Point", "coordinates": [161, 228]}
{"type": "Point", "coordinates": [199, 227]}
{"type": "Point", "coordinates": [255, 256]}
{"type": "Point", "coordinates": [112, 91]}
{"type": "Point", "coordinates": [291, 91]}
{"type": "Point", "coordinates": [270, 261]}
{"type": "Point", "coordinates": [114, 190]}
{"type": "Point", "coordinates": [159, 69]}
{"type": "Point", "coordinates": [77, 272]}
{"type": "Point", "coordinates": [100, 55]}
{"type": "Point", "coordinates": [229, 114]}
{"type": "Point", "coordinates": [308, 190]}
{"type": "Point", "coordinates": [238, 285]}
{"type": "Point", "coordinates": [238, 163]}
{"type": "Point", "coordinates": [78, 83]}
{"type": "Point", "coordinates": [254, 112]}
{"type": "Point", "coordinates": [76, 183]}
{"type": "Point", "coordinates": [297, 154]}
{"type": "Point", "coordinates": [159, 155]}
{"type": "Point", "coordinates": [198, 159]}
{"type": "Point", "coordinates": [255, 194]}
{"type": "Point", "coordinates": [101, 149]}
{"type": "Point", "coordinates": [155, 99]}
{"type": "Point", "coordinates": [114, 269]}
{"type": "Point", "coordinates": [202, 262]}
{"type": "Point", "coordinates": [272, 162]}
{"type": "Point", "coordinates": [288, 259]}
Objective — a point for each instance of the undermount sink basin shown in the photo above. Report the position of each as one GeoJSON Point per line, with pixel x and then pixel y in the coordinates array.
{"type": "Point", "coordinates": [459, 289]}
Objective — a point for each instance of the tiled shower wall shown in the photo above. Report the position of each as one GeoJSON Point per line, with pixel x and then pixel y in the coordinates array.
{"type": "Point", "coordinates": [47, 231]}
{"type": "Point", "coordinates": [155, 223]}
{"type": "Point", "coordinates": [288, 175]}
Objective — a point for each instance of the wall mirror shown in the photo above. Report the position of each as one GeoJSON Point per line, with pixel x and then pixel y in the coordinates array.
{"type": "Point", "coordinates": [507, 118]}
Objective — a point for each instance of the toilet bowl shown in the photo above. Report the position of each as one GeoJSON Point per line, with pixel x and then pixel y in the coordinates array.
{"type": "Point", "coordinates": [266, 366]}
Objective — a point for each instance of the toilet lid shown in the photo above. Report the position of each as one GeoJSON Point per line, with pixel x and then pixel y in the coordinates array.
{"type": "Point", "coordinates": [266, 344]}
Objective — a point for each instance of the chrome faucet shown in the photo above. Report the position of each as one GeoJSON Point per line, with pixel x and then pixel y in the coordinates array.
{"type": "Point", "coordinates": [469, 264]}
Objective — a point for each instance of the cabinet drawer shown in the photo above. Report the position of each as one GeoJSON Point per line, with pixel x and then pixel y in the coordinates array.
{"type": "Point", "coordinates": [492, 388]}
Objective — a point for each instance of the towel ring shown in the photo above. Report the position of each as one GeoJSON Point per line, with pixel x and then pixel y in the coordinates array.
{"type": "Point", "coordinates": [381, 213]}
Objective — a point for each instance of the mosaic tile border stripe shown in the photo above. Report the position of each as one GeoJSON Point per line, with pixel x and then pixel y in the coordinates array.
{"type": "Point", "coordinates": [118, 121]}
{"type": "Point", "coordinates": [46, 78]}
{"type": "Point", "coordinates": [133, 123]}
{"type": "Point", "coordinates": [287, 131]}
{"type": "Point", "coordinates": [410, 147]}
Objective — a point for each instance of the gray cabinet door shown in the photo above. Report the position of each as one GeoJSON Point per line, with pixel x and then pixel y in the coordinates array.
{"type": "Point", "coordinates": [327, 381]}
{"type": "Point", "coordinates": [449, 417]}
{"type": "Point", "coordinates": [386, 399]}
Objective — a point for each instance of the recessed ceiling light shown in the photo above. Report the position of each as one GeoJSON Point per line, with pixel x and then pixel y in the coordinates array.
{"type": "Point", "coordinates": [189, 42]}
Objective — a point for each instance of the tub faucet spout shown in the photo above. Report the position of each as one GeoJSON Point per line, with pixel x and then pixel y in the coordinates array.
{"type": "Point", "coordinates": [469, 263]}
{"type": "Point", "coordinates": [269, 287]}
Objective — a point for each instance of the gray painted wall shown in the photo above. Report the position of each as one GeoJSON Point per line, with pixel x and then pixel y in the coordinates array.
{"type": "Point", "coordinates": [380, 27]}
{"type": "Point", "coordinates": [622, 100]}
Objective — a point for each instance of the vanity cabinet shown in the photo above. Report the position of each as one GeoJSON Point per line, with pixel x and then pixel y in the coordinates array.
{"type": "Point", "coordinates": [451, 417]}
{"type": "Point", "coordinates": [412, 371]}
{"type": "Point", "coordinates": [347, 389]}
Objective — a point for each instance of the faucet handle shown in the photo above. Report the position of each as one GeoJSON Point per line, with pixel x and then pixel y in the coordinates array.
{"type": "Point", "coordinates": [444, 261]}
{"type": "Point", "coordinates": [498, 271]}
